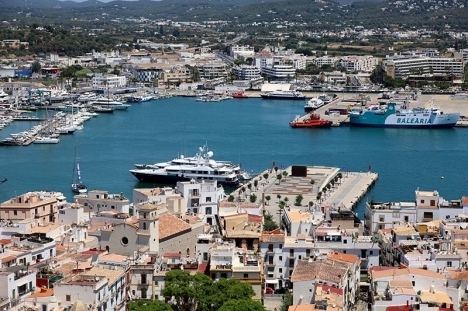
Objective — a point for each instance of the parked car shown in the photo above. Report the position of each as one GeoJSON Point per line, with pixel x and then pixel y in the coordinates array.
{"type": "Point", "coordinates": [269, 290]}
{"type": "Point", "coordinates": [281, 290]}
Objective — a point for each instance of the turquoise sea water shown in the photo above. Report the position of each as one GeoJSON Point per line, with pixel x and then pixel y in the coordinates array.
{"type": "Point", "coordinates": [254, 132]}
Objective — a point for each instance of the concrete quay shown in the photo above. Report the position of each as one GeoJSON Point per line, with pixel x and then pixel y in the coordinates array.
{"type": "Point", "coordinates": [346, 192]}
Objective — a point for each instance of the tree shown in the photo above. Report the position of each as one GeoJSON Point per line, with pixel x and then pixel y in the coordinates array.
{"type": "Point", "coordinates": [285, 174]}
{"type": "Point", "coordinates": [268, 198]}
{"type": "Point", "coordinates": [36, 66]}
{"type": "Point", "coordinates": [287, 302]}
{"type": "Point", "coordinates": [266, 175]}
{"type": "Point", "coordinates": [298, 201]}
{"type": "Point", "coordinates": [278, 196]}
{"type": "Point", "coordinates": [286, 200]}
{"type": "Point", "coordinates": [279, 176]}
{"type": "Point", "coordinates": [242, 305]}
{"type": "Point", "coordinates": [149, 305]}
{"type": "Point", "coordinates": [250, 187]}
{"type": "Point", "coordinates": [176, 33]}
{"type": "Point", "coordinates": [256, 184]}
{"type": "Point", "coordinates": [276, 169]}
{"type": "Point", "coordinates": [253, 198]}
{"type": "Point", "coordinates": [268, 223]}
{"type": "Point", "coordinates": [230, 198]}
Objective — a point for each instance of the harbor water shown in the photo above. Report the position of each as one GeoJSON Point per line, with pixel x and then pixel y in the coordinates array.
{"type": "Point", "coordinates": [253, 132]}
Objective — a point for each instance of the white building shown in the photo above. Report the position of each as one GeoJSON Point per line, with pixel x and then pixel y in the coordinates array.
{"type": "Point", "coordinates": [402, 66]}
{"type": "Point", "coordinates": [282, 72]}
{"type": "Point", "coordinates": [379, 216]}
{"type": "Point", "coordinates": [18, 282]}
{"type": "Point", "coordinates": [109, 81]}
{"type": "Point", "coordinates": [102, 289]}
{"type": "Point", "coordinates": [242, 51]}
{"type": "Point", "coordinates": [201, 198]}
{"type": "Point", "coordinates": [359, 63]}
{"type": "Point", "coordinates": [245, 72]}
{"type": "Point", "coordinates": [99, 201]}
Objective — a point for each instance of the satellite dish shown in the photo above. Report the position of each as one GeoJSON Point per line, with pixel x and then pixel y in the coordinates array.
{"type": "Point", "coordinates": [182, 156]}
{"type": "Point", "coordinates": [209, 154]}
{"type": "Point", "coordinates": [201, 149]}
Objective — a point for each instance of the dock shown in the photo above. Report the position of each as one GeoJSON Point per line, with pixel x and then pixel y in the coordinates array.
{"type": "Point", "coordinates": [345, 192]}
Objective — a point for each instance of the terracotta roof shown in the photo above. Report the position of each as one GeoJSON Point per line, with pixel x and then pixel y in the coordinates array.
{"type": "Point", "coordinates": [172, 255]}
{"type": "Point", "coordinates": [404, 271]}
{"type": "Point", "coordinates": [344, 257]}
{"type": "Point", "coordinates": [5, 241]}
{"type": "Point", "coordinates": [458, 275]}
{"type": "Point", "coordinates": [8, 258]}
{"type": "Point", "coordinates": [465, 200]}
{"type": "Point", "coordinates": [170, 225]}
{"type": "Point", "coordinates": [113, 257]}
{"type": "Point", "coordinates": [306, 271]}
{"type": "Point", "coordinates": [437, 297]}
{"type": "Point", "coordinates": [272, 238]}
{"type": "Point", "coordinates": [401, 283]}
{"type": "Point", "coordinates": [43, 292]}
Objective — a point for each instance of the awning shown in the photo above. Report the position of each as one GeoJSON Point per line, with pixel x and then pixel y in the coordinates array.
{"type": "Point", "coordinates": [271, 281]}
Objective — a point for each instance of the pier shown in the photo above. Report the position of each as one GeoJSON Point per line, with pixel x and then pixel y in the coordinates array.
{"type": "Point", "coordinates": [346, 191]}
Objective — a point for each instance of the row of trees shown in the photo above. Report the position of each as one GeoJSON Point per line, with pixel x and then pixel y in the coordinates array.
{"type": "Point", "coordinates": [186, 292]}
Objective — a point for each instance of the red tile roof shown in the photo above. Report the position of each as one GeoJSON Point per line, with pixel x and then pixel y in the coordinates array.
{"type": "Point", "coordinates": [170, 225]}
{"type": "Point", "coordinates": [5, 241]}
{"type": "Point", "coordinates": [172, 255]}
{"type": "Point", "coordinates": [8, 258]}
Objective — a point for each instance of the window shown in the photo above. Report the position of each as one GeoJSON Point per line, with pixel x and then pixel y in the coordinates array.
{"type": "Point", "coordinates": [280, 258]}
{"type": "Point", "coordinates": [427, 215]}
{"type": "Point", "coordinates": [68, 297]}
{"type": "Point", "coordinates": [433, 203]}
{"type": "Point", "coordinates": [124, 241]}
{"type": "Point", "coordinates": [143, 279]}
{"type": "Point", "coordinates": [15, 213]}
{"type": "Point", "coordinates": [381, 218]}
{"type": "Point", "coordinates": [246, 275]}
{"type": "Point", "coordinates": [396, 215]}
{"type": "Point", "coordinates": [422, 201]}
{"type": "Point", "coordinates": [449, 264]}
{"type": "Point", "coordinates": [280, 270]}
{"type": "Point", "coordinates": [208, 199]}
{"type": "Point", "coordinates": [143, 293]}
{"type": "Point", "coordinates": [371, 252]}
{"type": "Point", "coordinates": [144, 226]}
{"type": "Point", "coordinates": [281, 246]}
{"type": "Point", "coordinates": [345, 241]}
{"type": "Point", "coordinates": [406, 219]}
{"type": "Point", "coordinates": [414, 283]}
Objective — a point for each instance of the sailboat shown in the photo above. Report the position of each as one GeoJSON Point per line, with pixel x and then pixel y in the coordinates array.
{"type": "Point", "coordinates": [77, 185]}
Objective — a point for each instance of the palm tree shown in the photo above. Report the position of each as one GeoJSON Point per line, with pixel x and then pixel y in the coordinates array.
{"type": "Point", "coordinates": [276, 169]}
{"type": "Point", "coordinates": [255, 184]}
{"type": "Point", "coordinates": [339, 176]}
{"type": "Point", "coordinates": [324, 190]}
{"type": "Point", "coordinates": [250, 187]}
{"type": "Point", "coordinates": [278, 196]}
{"type": "Point", "coordinates": [311, 204]}
{"type": "Point", "coordinates": [279, 176]}
{"type": "Point", "coordinates": [286, 200]}
{"type": "Point", "coordinates": [268, 198]}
